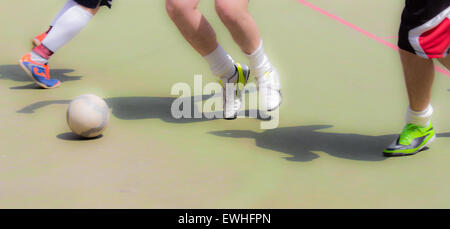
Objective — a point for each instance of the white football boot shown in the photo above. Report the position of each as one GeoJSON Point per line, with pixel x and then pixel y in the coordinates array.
{"type": "Point", "coordinates": [269, 87]}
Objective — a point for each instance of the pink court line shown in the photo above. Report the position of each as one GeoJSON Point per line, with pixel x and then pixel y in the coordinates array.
{"type": "Point", "coordinates": [390, 37]}
{"type": "Point", "coordinates": [362, 31]}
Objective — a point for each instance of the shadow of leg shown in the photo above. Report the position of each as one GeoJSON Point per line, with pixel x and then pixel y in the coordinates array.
{"type": "Point", "coordinates": [15, 73]}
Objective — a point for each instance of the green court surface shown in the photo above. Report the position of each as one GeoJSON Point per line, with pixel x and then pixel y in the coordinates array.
{"type": "Point", "coordinates": [344, 101]}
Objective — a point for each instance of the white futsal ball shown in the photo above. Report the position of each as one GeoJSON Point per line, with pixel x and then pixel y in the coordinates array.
{"type": "Point", "coordinates": [88, 115]}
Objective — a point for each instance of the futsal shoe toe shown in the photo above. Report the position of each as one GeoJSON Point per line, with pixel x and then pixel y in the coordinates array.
{"type": "Point", "coordinates": [412, 140]}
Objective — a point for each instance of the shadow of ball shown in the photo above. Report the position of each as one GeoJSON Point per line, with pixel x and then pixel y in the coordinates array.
{"type": "Point", "coordinates": [69, 136]}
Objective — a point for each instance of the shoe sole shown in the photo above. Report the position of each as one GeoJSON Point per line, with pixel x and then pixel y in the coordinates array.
{"type": "Point", "coordinates": [409, 154]}
{"type": "Point", "coordinates": [233, 118]}
{"type": "Point", "coordinates": [34, 80]}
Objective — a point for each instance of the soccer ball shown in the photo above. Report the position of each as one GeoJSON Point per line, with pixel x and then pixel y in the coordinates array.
{"type": "Point", "coordinates": [88, 115]}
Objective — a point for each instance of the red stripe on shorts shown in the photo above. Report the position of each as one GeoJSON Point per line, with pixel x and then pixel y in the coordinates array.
{"type": "Point", "coordinates": [436, 41]}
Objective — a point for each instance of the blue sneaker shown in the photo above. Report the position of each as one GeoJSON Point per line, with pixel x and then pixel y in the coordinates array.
{"type": "Point", "coordinates": [38, 72]}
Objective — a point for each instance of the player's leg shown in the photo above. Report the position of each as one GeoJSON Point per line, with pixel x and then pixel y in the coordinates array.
{"type": "Point", "coordinates": [445, 61]}
{"type": "Point", "coordinates": [419, 77]}
{"type": "Point", "coordinates": [199, 33]}
{"type": "Point", "coordinates": [69, 4]}
{"type": "Point", "coordinates": [240, 23]}
{"type": "Point", "coordinates": [68, 26]}
{"type": "Point", "coordinates": [64, 29]}
{"type": "Point", "coordinates": [234, 14]}
{"type": "Point", "coordinates": [418, 132]}
{"type": "Point", "coordinates": [38, 39]}
{"type": "Point", "coordinates": [421, 38]}
{"type": "Point", "coordinates": [192, 25]}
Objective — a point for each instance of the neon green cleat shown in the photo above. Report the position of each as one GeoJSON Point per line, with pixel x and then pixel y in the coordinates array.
{"type": "Point", "coordinates": [411, 141]}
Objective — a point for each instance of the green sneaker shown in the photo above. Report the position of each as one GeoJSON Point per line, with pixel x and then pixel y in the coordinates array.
{"type": "Point", "coordinates": [411, 141]}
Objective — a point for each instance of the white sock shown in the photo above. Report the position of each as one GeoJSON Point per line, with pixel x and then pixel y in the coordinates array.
{"type": "Point", "coordinates": [259, 62]}
{"type": "Point", "coordinates": [37, 58]}
{"type": "Point", "coordinates": [67, 27]}
{"type": "Point", "coordinates": [421, 118]}
{"type": "Point", "coordinates": [67, 6]}
{"type": "Point", "coordinates": [220, 63]}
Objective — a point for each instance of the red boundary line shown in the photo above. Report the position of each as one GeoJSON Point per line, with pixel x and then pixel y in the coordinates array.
{"type": "Point", "coordinates": [362, 31]}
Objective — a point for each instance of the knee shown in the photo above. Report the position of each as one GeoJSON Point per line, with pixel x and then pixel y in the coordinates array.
{"type": "Point", "coordinates": [228, 12]}
{"type": "Point", "coordinates": [177, 8]}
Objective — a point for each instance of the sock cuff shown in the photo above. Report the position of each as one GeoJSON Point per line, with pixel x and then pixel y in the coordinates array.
{"type": "Point", "coordinates": [258, 51]}
{"type": "Point", "coordinates": [43, 51]}
{"type": "Point", "coordinates": [421, 118]}
{"type": "Point", "coordinates": [259, 62]}
{"type": "Point", "coordinates": [426, 112]}
{"type": "Point", "coordinates": [220, 63]}
{"type": "Point", "coordinates": [38, 58]}
{"type": "Point", "coordinates": [218, 53]}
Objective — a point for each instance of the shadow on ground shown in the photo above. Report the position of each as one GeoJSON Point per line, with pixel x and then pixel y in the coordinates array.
{"type": "Point", "coordinates": [69, 136]}
{"type": "Point", "coordinates": [135, 108]}
{"type": "Point", "coordinates": [300, 142]}
{"type": "Point", "coordinates": [15, 73]}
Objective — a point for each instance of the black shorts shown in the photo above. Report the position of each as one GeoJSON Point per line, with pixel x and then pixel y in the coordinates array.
{"type": "Point", "coordinates": [425, 28]}
{"type": "Point", "coordinates": [94, 3]}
